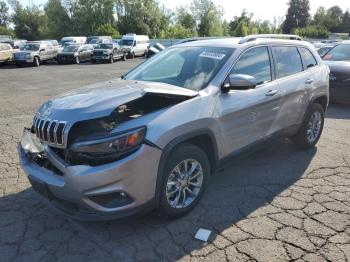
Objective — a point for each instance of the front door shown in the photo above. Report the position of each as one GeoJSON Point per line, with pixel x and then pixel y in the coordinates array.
{"type": "Point", "coordinates": [247, 116]}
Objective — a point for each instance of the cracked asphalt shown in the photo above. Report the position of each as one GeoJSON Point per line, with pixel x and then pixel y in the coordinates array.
{"type": "Point", "coordinates": [276, 204]}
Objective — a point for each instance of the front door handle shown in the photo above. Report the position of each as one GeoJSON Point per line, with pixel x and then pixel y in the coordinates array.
{"type": "Point", "coordinates": [309, 81]}
{"type": "Point", "coordinates": [271, 92]}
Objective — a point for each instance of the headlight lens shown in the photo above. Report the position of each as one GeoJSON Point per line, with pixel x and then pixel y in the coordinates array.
{"type": "Point", "coordinates": [108, 149]}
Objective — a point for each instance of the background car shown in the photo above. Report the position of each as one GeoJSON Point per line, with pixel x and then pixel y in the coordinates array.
{"type": "Point", "coordinates": [137, 45]}
{"type": "Point", "coordinates": [6, 53]}
{"type": "Point", "coordinates": [108, 52]}
{"type": "Point", "coordinates": [338, 60]}
{"type": "Point", "coordinates": [35, 53]}
{"type": "Point", "coordinates": [75, 54]}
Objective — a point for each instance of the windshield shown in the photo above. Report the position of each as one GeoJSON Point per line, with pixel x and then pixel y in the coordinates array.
{"type": "Point", "coordinates": [126, 42]}
{"type": "Point", "coordinates": [187, 67]}
{"type": "Point", "coordinates": [30, 47]}
{"type": "Point", "coordinates": [93, 41]}
{"type": "Point", "coordinates": [105, 46]}
{"type": "Point", "coordinates": [71, 48]}
{"type": "Point", "coordinates": [339, 53]}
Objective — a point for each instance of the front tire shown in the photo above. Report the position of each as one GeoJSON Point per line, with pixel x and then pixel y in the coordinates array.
{"type": "Point", "coordinates": [311, 129]}
{"type": "Point", "coordinates": [186, 174]}
{"type": "Point", "coordinates": [111, 59]}
{"type": "Point", "coordinates": [124, 57]}
{"type": "Point", "coordinates": [77, 60]}
{"type": "Point", "coordinates": [36, 62]}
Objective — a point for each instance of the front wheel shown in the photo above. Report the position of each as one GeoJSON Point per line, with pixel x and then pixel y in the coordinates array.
{"type": "Point", "coordinates": [124, 57]}
{"type": "Point", "coordinates": [36, 62]}
{"type": "Point", "coordinates": [77, 60]}
{"type": "Point", "coordinates": [185, 177]}
{"type": "Point", "coordinates": [111, 59]}
{"type": "Point", "coordinates": [311, 129]}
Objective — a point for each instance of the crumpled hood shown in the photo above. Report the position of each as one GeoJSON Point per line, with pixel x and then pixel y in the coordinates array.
{"type": "Point", "coordinates": [101, 99]}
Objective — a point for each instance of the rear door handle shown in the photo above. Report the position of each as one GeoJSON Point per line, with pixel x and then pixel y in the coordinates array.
{"type": "Point", "coordinates": [309, 81]}
{"type": "Point", "coordinates": [271, 92]}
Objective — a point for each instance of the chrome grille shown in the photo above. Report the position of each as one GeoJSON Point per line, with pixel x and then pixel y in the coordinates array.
{"type": "Point", "coordinates": [51, 131]}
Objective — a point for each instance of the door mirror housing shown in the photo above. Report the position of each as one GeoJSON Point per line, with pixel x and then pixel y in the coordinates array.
{"type": "Point", "coordinates": [42, 49]}
{"type": "Point", "coordinates": [239, 82]}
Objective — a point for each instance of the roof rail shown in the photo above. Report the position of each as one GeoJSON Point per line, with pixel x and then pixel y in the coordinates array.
{"type": "Point", "coordinates": [271, 36]}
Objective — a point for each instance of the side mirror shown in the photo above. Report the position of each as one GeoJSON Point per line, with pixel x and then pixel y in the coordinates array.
{"type": "Point", "coordinates": [42, 50]}
{"type": "Point", "coordinates": [239, 82]}
{"type": "Point", "coordinates": [134, 44]}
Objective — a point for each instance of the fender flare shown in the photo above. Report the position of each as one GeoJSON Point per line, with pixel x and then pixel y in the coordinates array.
{"type": "Point", "coordinates": [174, 143]}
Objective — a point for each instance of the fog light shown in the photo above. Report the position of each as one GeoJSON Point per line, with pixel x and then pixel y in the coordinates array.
{"type": "Point", "coordinates": [112, 200]}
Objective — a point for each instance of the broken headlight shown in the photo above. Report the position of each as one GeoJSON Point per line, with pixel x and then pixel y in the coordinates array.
{"type": "Point", "coordinates": [108, 149]}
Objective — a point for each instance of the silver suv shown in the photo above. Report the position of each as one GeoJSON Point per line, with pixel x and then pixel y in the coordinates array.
{"type": "Point", "coordinates": [35, 53]}
{"type": "Point", "coordinates": [153, 138]}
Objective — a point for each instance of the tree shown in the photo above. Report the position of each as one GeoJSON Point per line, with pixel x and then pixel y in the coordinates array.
{"type": "Point", "coordinates": [335, 15]}
{"type": "Point", "coordinates": [4, 14]}
{"type": "Point", "coordinates": [89, 15]}
{"type": "Point", "coordinates": [297, 15]}
{"type": "Point", "coordinates": [59, 23]}
{"type": "Point", "coordinates": [141, 17]}
{"type": "Point", "coordinates": [346, 22]}
{"type": "Point", "coordinates": [208, 17]}
{"type": "Point", "coordinates": [29, 23]}
{"type": "Point", "coordinates": [185, 19]}
{"type": "Point", "coordinates": [107, 29]}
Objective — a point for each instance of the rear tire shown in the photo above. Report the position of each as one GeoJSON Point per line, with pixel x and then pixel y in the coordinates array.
{"type": "Point", "coordinates": [184, 179]}
{"type": "Point", "coordinates": [311, 129]}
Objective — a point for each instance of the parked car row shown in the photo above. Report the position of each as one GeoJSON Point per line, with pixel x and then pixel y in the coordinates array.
{"type": "Point", "coordinates": [75, 49]}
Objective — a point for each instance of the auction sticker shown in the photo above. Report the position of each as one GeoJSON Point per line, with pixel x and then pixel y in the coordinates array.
{"type": "Point", "coordinates": [213, 55]}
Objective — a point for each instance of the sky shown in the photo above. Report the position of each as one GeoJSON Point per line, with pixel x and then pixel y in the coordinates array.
{"type": "Point", "coordinates": [262, 9]}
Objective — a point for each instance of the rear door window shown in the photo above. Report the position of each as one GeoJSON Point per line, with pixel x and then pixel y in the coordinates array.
{"type": "Point", "coordinates": [287, 61]}
{"type": "Point", "coordinates": [308, 59]}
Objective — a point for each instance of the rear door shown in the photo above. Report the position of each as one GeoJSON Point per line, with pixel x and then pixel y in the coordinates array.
{"type": "Point", "coordinates": [247, 116]}
{"type": "Point", "coordinates": [294, 82]}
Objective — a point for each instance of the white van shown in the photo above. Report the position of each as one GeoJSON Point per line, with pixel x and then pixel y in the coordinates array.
{"type": "Point", "coordinates": [80, 40]}
{"type": "Point", "coordinates": [135, 44]}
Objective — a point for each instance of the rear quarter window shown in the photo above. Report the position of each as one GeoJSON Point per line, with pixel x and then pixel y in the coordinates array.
{"type": "Point", "coordinates": [287, 60]}
{"type": "Point", "coordinates": [307, 57]}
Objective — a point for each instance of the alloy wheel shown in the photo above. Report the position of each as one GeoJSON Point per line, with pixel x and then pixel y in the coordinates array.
{"type": "Point", "coordinates": [314, 127]}
{"type": "Point", "coordinates": [184, 183]}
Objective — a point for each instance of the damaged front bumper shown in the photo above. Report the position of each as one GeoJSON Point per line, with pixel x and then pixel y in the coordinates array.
{"type": "Point", "coordinates": [104, 192]}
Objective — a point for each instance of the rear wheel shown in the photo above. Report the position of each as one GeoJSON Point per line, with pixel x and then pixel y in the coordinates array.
{"type": "Point", "coordinates": [185, 177]}
{"type": "Point", "coordinates": [36, 62]}
{"type": "Point", "coordinates": [311, 129]}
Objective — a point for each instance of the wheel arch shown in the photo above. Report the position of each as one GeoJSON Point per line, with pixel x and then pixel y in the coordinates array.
{"type": "Point", "coordinates": [203, 138]}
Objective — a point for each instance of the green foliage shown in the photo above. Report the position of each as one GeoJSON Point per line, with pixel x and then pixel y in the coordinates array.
{"type": "Point", "coordinates": [59, 23]}
{"type": "Point", "coordinates": [346, 23]}
{"type": "Point", "coordinates": [297, 15]}
{"type": "Point", "coordinates": [30, 23]}
{"type": "Point", "coordinates": [108, 29]}
{"type": "Point", "coordinates": [312, 31]}
{"type": "Point", "coordinates": [141, 17]}
{"type": "Point", "coordinates": [208, 17]}
{"type": "Point", "coordinates": [177, 31]}
{"type": "Point", "coordinates": [4, 14]}
{"type": "Point", "coordinates": [7, 31]}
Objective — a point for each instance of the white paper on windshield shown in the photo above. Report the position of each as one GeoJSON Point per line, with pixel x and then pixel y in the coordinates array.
{"type": "Point", "coordinates": [212, 55]}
